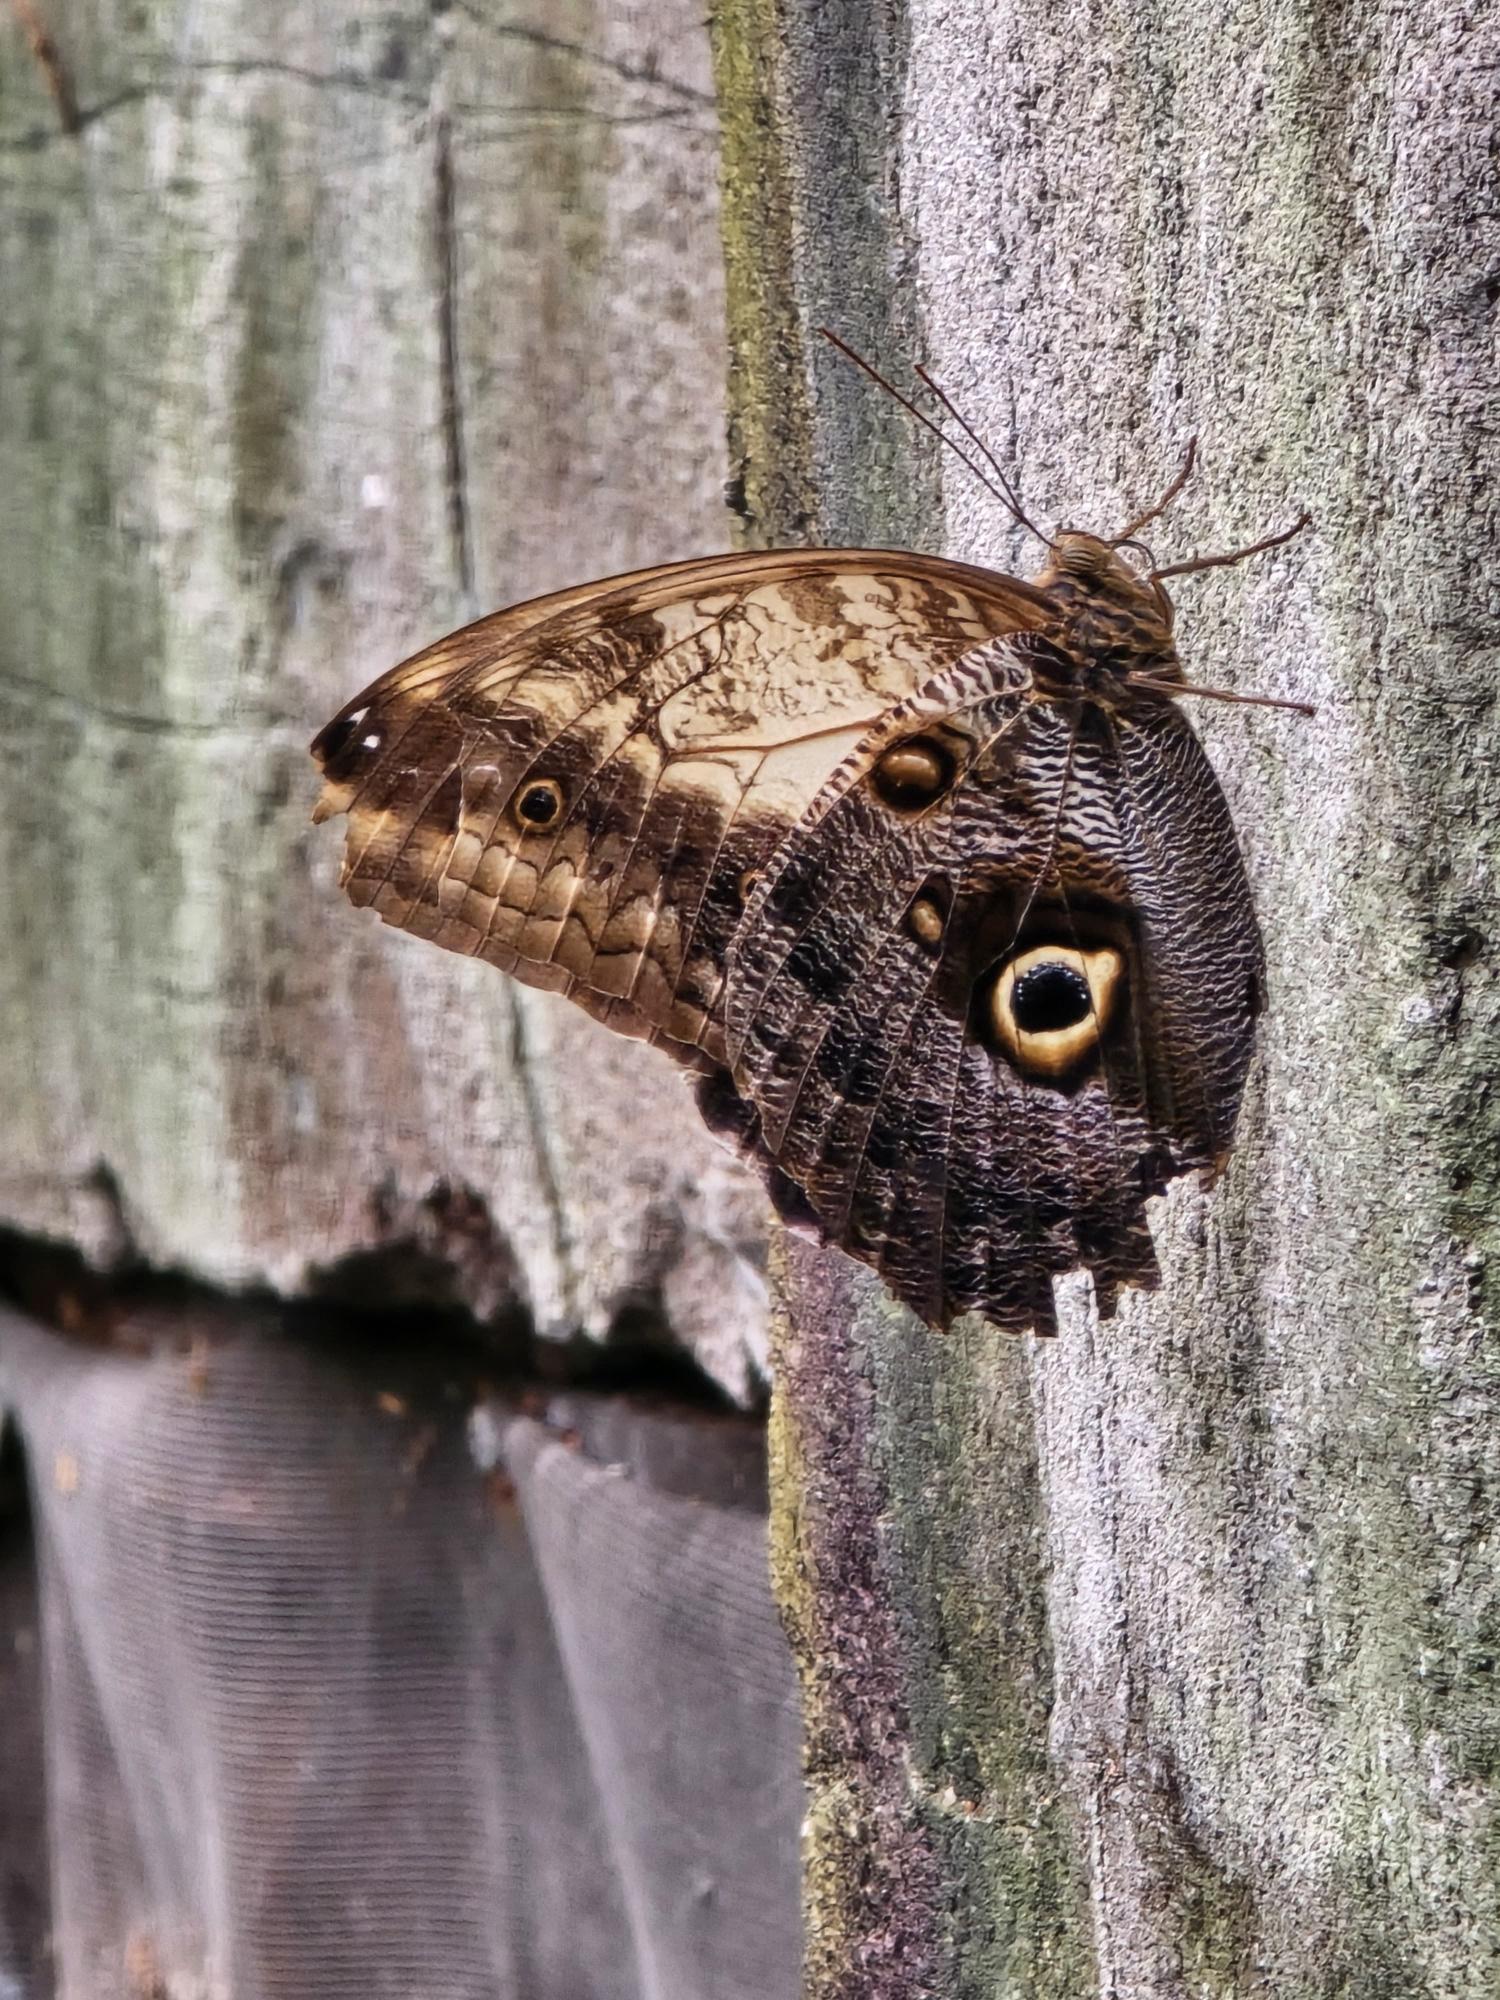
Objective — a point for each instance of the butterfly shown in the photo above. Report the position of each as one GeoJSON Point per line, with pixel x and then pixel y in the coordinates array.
{"type": "Point", "coordinates": [919, 868]}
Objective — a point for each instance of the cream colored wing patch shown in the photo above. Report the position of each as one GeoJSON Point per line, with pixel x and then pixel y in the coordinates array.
{"type": "Point", "coordinates": [583, 789]}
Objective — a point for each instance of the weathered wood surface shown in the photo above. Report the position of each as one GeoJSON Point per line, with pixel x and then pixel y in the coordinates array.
{"type": "Point", "coordinates": [1161, 1661]}
{"type": "Point", "coordinates": [328, 329]}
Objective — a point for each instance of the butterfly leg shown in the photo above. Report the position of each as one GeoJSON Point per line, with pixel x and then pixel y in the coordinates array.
{"type": "Point", "coordinates": [1195, 563]}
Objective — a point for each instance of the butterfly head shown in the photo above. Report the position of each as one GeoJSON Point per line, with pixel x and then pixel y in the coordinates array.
{"type": "Point", "coordinates": [1113, 621]}
{"type": "Point", "coordinates": [1083, 570]}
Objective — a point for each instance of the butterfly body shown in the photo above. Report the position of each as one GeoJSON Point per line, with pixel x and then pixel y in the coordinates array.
{"type": "Point", "coordinates": [942, 905]}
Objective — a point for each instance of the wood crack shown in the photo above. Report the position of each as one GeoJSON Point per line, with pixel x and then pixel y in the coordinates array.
{"type": "Point", "coordinates": [538, 38]}
{"type": "Point", "coordinates": [459, 526]}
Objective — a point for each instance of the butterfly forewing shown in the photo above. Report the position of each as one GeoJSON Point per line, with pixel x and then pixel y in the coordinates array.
{"type": "Point", "coordinates": [583, 790]}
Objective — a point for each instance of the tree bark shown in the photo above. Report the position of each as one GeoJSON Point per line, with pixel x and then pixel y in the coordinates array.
{"type": "Point", "coordinates": [1161, 1660]}
{"type": "Point", "coordinates": [321, 332]}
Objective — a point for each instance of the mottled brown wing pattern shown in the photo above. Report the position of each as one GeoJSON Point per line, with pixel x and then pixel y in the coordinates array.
{"type": "Point", "coordinates": [582, 790]}
{"type": "Point", "coordinates": [861, 978]}
{"type": "Point", "coordinates": [1203, 975]}
{"type": "Point", "coordinates": [919, 867]}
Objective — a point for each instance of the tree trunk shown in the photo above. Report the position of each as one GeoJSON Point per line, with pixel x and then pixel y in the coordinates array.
{"type": "Point", "coordinates": [324, 331]}
{"type": "Point", "coordinates": [1161, 1660]}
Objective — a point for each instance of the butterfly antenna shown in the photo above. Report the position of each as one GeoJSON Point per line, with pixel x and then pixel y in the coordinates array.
{"type": "Point", "coordinates": [1133, 528]}
{"type": "Point", "coordinates": [1195, 563]}
{"type": "Point", "coordinates": [999, 492]}
{"type": "Point", "coordinates": [1012, 496]}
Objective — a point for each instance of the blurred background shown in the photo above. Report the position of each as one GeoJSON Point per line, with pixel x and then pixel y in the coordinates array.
{"type": "Point", "coordinates": [388, 1613]}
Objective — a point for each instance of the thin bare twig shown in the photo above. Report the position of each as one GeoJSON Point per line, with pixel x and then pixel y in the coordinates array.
{"type": "Point", "coordinates": [50, 61]}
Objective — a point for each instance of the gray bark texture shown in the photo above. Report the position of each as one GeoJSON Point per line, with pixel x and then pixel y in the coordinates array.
{"type": "Point", "coordinates": [322, 330]}
{"type": "Point", "coordinates": [1161, 1660]}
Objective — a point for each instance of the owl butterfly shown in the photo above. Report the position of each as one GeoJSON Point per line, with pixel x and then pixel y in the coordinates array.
{"type": "Point", "coordinates": [920, 868]}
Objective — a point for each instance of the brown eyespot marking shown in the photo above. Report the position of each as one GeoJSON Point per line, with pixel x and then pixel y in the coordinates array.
{"type": "Point", "coordinates": [1049, 1005]}
{"type": "Point", "coordinates": [926, 921]}
{"type": "Point", "coordinates": [537, 804]}
{"type": "Point", "coordinates": [912, 774]}
{"type": "Point", "coordinates": [747, 882]}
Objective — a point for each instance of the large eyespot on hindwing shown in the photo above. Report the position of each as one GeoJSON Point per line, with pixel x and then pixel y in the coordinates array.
{"type": "Point", "coordinates": [1047, 1007]}
{"type": "Point", "coordinates": [537, 804]}
{"type": "Point", "coordinates": [912, 775]}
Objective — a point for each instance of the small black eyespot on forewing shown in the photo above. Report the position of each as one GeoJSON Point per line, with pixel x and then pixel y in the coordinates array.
{"type": "Point", "coordinates": [338, 748]}
{"type": "Point", "coordinates": [537, 804]}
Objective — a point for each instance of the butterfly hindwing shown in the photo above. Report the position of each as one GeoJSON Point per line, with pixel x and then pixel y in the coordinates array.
{"type": "Point", "coordinates": [862, 981]}
{"type": "Point", "coordinates": [1205, 968]}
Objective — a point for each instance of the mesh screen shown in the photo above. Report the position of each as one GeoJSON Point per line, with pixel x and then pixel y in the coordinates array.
{"type": "Point", "coordinates": [328, 1708]}
{"type": "Point", "coordinates": [23, 1873]}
